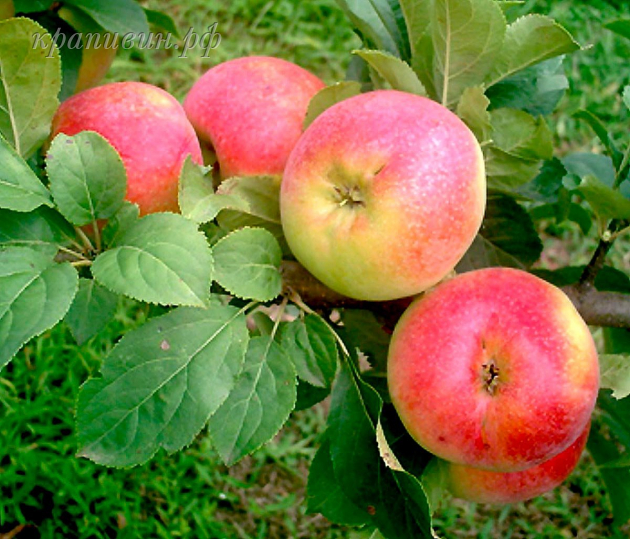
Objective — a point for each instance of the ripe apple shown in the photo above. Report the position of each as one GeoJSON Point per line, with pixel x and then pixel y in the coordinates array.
{"type": "Point", "coordinates": [493, 369]}
{"type": "Point", "coordinates": [383, 194]}
{"type": "Point", "coordinates": [483, 486]}
{"type": "Point", "coordinates": [249, 112]}
{"type": "Point", "coordinates": [148, 128]}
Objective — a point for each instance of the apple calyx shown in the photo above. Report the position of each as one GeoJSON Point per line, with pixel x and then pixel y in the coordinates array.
{"type": "Point", "coordinates": [490, 375]}
{"type": "Point", "coordinates": [350, 196]}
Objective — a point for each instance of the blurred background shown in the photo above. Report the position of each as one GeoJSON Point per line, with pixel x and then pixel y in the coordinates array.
{"type": "Point", "coordinates": [46, 492]}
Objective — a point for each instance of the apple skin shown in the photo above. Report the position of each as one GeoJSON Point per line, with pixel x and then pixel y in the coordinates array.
{"type": "Point", "coordinates": [383, 194]}
{"type": "Point", "coordinates": [250, 111]}
{"type": "Point", "coordinates": [493, 369]}
{"type": "Point", "coordinates": [148, 128]}
{"type": "Point", "coordinates": [483, 486]}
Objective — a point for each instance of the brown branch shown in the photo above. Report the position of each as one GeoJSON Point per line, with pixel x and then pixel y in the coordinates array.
{"type": "Point", "coordinates": [607, 309]}
{"type": "Point", "coordinates": [587, 279]}
{"type": "Point", "coordinates": [319, 297]}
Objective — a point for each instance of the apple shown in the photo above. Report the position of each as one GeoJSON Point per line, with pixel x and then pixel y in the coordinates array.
{"type": "Point", "coordinates": [7, 9]}
{"type": "Point", "coordinates": [483, 486]}
{"type": "Point", "coordinates": [99, 47]}
{"type": "Point", "coordinates": [383, 194]}
{"type": "Point", "coordinates": [249, 112]}
{"type": "Point", "coordinates": [148, 128]}
{"type": "Point", "coordinates": [493, 369]}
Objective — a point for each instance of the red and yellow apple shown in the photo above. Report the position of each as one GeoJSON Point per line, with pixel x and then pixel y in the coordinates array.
{"type": "Point", "coordinates": [493, 369]}
{"type": "Point", "coordinates": [383, 194]}
{"type": "Point", "coordinates": [483, 486]}
{"type": "Point", "coordinates": [249, 112]}
{"type": "Point", "coordinates": [148, 128]}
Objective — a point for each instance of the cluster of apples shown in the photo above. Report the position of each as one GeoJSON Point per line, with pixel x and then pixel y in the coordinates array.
{"type": "Point", "coordinates": [493, 371]}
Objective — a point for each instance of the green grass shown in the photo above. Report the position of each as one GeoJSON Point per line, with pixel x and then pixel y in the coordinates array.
{"type": "Point", "coordinates": [190, 494]}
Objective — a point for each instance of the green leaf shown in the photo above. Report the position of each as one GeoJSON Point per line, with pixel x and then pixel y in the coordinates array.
{"type": "Point", "coordinates": [87, 177]}
{"type": "Point", "coordinates": [352, 434]}
{"type": "Point", "coordinates": [197, 199]}
{"type": "Point", "coordinates": [615, 374]}
{"type": "Point", "coordinates": [92, 309]}
{"type": "Point", "coordinates": [423, 63]}
{"type": "Point", "coordinates": [378, 24]}
{"type": "Point", "coordinates": [418, 17]}
{"type": "Point", "coordinates": [620, 27]}
{"type": "Point", "coordinates": [473, 110]}
{"type": "Point", "coordinates": [43, 226]}
{"type": "Point", "coordinates": [396, 72]}
{"type": "Point", "coordinates": [607, 203]}
{"type": "Point", "coordinates": [507, 238]}
{"type": "Point", "coordinates": [259, 404]}
{"type": "Point", "coordinates": [506, 172]}
{"type": "Point", "coordinates": [30, 79]}
{"type": "Point", "coordinates": [308, 395]}
{"type": "Point", "coordinates": [405, 510]}
{"type": "Point", "coordinates": [576, 214]}
{"type": "Point", "coordinates": [608, 279]}
{"type": "Point", "coordinates": [520, 143]}
{"type": "Point", "coordinates": [160, 384]}
{"type": "Point", "coordinates": [509, 228]}
{"type": "Point", "coordinates": [20, 188]}
{"type": "Point", "coordinates": [412, 457]}
{"type": "Point", "coordinates": [536, 90]}
{"type": "Point", "coordinates": [617, 481]}
{"type": "Point", "coordinates": [329, 96]}
{"type": "Point", "coordinates": [118, 16]}
{"type": "Point", "coordinates": [162, 258]}
{"type": "Point", "coordinates": [361, 330]}
{"type": "Point", "coordinates": [508, 4]}
{"type": "Point", "coordinates": [617, 340]}
{"type": "Point", "coordinates": [261, 194]}
{"type": "Point", "coordinates": [247, 264]}
{"type": "Point", "coordinates": [70, 52]}
{"type": "Point", "coordinates": [616, 414]}
{"type": "Point", "coordinates": [467, 38]}
{"type": "Point", "coordinates": [31, 6]}
{"type": "Point", "coordinates": [519, 134]}
{"type": "Point", "coordinates": [626, 96]}
{"type": "Point", "coordinates": [162, 21]}
{"type": "Point", "coordinates": [395, 500]}
{"type": "Point", "coordinates": [311, 345]}
{"type": "Point", "coordinates": [325, 496]}
{"type": "Point", "coordinates": [528, 41]}
{"type": "Point", "coordinates": [484, 254]}
{"type": "Point", "coordinates": [602, 134]}
{"type": "Point", "coordinates": [35, 294]}
{"type": "Point", "coordinates": [545, 186]}
{"type": "Point", "coordinates": [120, 222]}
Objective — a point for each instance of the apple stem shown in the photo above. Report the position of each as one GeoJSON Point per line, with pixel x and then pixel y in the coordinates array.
{"type": "Point", "coordinates": [87, 244]}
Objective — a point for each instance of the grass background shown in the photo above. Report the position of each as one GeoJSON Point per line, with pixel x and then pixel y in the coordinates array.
{"type": "Point", "coordinates": [46, 492]}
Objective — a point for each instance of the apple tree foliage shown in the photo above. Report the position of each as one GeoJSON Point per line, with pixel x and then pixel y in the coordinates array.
{"type": "Point", "coordinates": [235, 349]}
